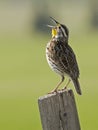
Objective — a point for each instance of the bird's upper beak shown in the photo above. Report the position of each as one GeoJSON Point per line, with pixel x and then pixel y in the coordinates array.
{"type": "Point", "coordinates": [54, 20]}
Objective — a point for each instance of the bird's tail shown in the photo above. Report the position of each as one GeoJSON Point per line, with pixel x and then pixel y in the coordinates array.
{"type": "Point", "coordinates": [77, 86]}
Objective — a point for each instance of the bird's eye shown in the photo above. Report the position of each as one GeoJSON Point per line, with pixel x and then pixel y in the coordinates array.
{"type": "Point", "coordinates": [59, 27]}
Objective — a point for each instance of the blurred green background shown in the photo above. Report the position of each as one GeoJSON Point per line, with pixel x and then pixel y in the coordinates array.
{"type": "Point", "coordinates": [24, 72]}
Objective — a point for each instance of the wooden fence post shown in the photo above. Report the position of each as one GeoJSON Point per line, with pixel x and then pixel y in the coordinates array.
{"type": "Point", "coordinates": [58, 111]}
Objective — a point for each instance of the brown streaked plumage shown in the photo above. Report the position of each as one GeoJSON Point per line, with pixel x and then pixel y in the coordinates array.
{"type": "Point", "coordinates": [61, 57]}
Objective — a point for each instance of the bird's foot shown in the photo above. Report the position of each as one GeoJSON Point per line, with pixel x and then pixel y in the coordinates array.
{"type": "Point", "coordinates": [64, 88]}
{"type": "Point", "coordinates": [53, 91]}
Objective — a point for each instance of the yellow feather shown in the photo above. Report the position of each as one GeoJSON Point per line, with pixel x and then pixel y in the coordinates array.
{"type": "Point", "coordinates": [54, 32]}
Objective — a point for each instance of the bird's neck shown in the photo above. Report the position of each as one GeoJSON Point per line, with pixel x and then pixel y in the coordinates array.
{"type": "Point", "coordinates": [60, 39]}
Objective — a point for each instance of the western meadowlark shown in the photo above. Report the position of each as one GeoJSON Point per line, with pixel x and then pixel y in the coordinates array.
{"type": "Point", "coordinates": [61, 57]}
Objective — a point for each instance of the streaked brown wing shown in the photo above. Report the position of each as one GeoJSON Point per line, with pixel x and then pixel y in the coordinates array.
{"type": "Point", "coordinates": [67, 60]}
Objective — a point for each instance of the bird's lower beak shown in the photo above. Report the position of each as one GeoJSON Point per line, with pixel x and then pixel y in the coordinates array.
{"type": "Point", "coordinates": [50, 26]}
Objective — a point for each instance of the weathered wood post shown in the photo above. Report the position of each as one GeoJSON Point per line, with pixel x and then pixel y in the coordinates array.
{"type": "Point", "coordinates": [58, 111]}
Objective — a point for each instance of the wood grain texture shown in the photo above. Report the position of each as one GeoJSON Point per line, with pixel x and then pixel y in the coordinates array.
{"type": "Point", "coordinates": [58, 111]}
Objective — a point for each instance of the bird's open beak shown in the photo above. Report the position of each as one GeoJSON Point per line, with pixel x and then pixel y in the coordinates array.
{"type": "Point", "coordinates": [50, 26]}
{"type": "Point", "coordinates": [54, 29]}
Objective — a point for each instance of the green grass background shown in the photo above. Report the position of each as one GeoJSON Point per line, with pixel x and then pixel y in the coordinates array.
{"type": "Point", "coordinates": [25, 76]}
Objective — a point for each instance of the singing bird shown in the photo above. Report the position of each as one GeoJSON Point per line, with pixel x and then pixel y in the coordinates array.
{"type": "Point", "coordinates": [61, 57]}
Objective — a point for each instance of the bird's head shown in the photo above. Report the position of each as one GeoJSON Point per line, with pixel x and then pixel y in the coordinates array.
{"type": "Point", "coordinates": [59, 31]}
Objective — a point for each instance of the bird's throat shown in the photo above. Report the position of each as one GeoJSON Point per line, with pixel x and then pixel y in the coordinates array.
{"type": "Point", "coordinates": [54, 32]}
